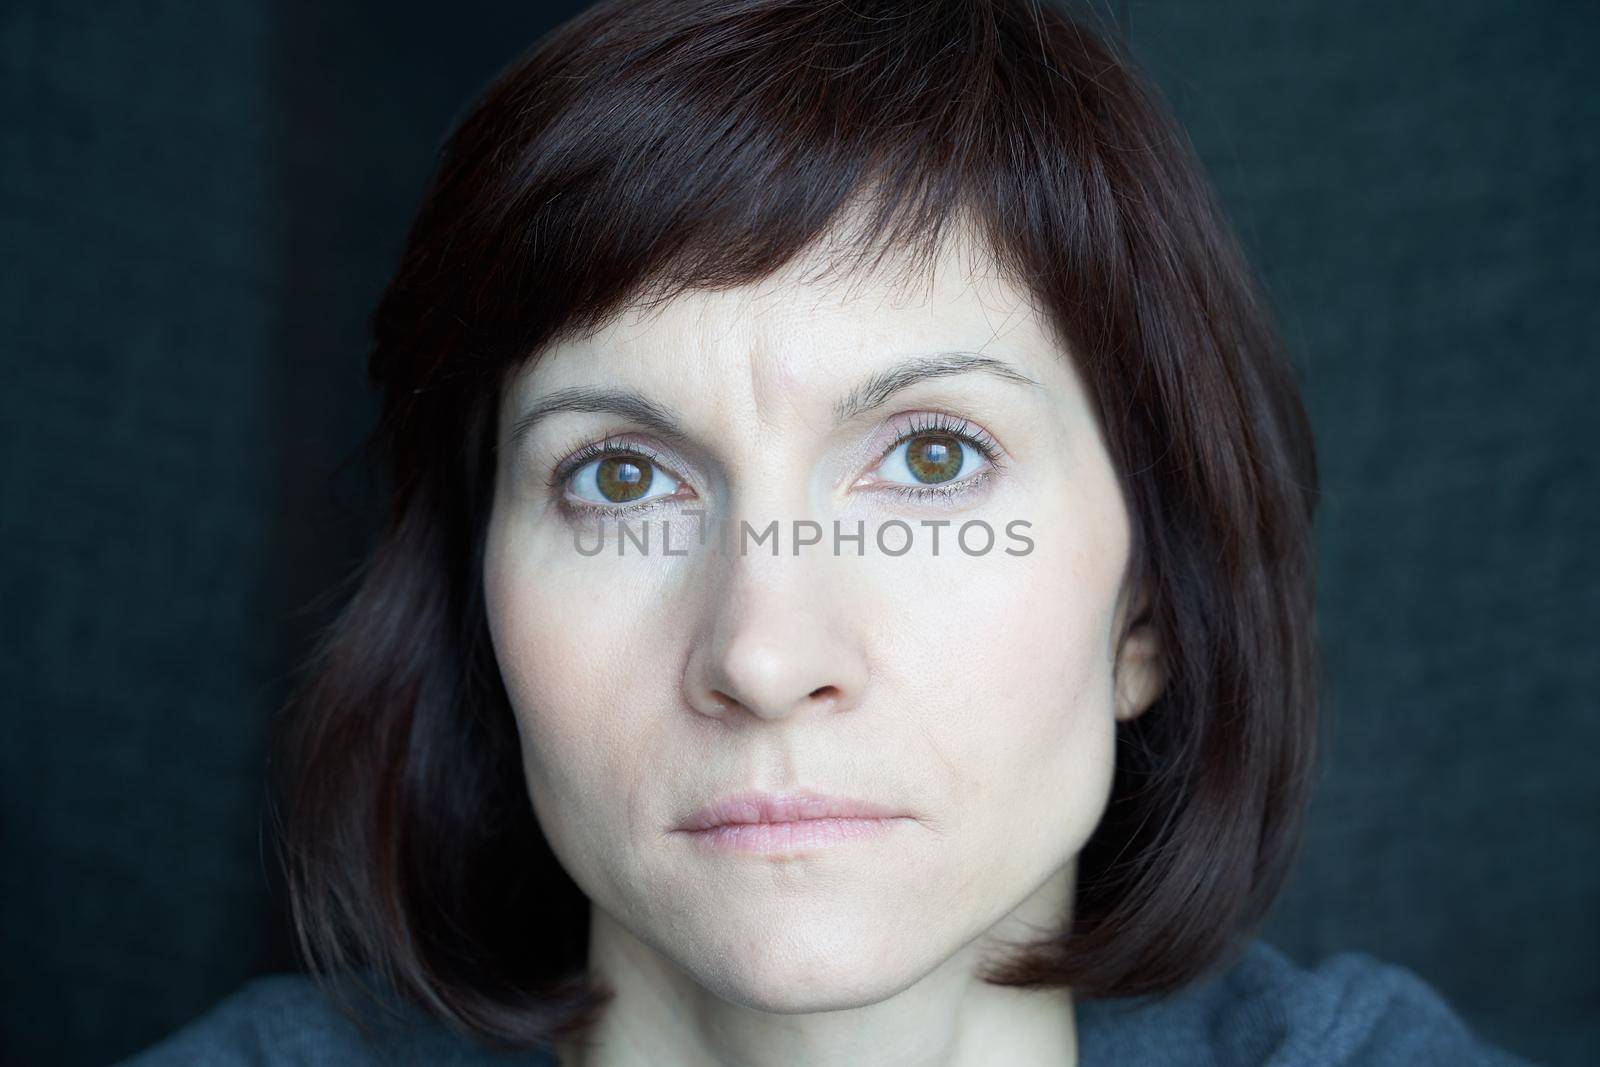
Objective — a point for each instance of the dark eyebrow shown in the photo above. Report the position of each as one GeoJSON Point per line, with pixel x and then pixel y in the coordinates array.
{"type": "Point", "coordinates": [872, 393]}
{"type": "Point", "coordinates": [624, 402]}
{"type": "Point", "coordinates": [877, 389]}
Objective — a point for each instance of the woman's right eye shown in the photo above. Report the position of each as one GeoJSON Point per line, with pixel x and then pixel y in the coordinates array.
{"type": "Point", "coordinates": [621, 478]}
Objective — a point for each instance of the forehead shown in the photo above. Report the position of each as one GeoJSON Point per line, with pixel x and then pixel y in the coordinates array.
{"type": "Point", "coordinates": [803, 333]}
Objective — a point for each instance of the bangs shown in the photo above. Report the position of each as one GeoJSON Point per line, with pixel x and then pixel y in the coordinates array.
{"type": "Point", "coordinates": [733, 142]}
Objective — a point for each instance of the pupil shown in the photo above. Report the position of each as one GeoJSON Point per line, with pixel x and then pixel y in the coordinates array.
{"type": "Point", "coordinates": [622, 480]}
{"type": "Point", "coordinates": [934, 458]}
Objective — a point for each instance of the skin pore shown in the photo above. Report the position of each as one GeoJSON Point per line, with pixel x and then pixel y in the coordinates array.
{"type": "Point", "coordinates": [973, 692]}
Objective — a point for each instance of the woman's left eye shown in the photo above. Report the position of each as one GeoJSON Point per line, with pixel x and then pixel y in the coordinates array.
{"type": "Point", "coordinates": [928, 459]}
{"type": "Point", "coordinates": [936, 457]}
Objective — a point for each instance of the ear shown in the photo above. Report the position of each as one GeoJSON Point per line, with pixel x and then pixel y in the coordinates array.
{"type": "Point", "coordinates": [1140, 668]}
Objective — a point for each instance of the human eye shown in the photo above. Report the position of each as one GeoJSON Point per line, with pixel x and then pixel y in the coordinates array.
{"type": "Point", "coordinates": [939, 456]}
{"type": "Point", "coordinates": [612, 477]}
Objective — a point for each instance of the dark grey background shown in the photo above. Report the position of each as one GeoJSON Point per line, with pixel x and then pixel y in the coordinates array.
{"type": "Point", "coordinates": [200, 202]}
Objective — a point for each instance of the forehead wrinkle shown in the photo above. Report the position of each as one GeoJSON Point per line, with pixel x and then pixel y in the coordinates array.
{"type": "Point", "coordinates": [742, 334]}
{"type": "Point", "coordinates": [761, 379]}
{"type": "Point", "coordinates": [761, 318]}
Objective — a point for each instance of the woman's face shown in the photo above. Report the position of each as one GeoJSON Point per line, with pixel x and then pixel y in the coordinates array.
{"type": "Point", "coordinates": [969, 690]}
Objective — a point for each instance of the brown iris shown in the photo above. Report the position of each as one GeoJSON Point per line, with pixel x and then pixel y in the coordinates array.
{"type": "Point", "coordinates": [623, 478]}
{"type": "Point", "coordinates": [934, 457]}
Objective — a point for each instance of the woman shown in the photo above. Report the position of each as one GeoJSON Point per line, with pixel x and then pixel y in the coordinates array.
{"type": "Point", "coordinates": [848, 589]}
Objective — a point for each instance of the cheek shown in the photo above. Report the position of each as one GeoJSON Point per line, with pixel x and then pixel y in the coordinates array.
{"type": "Point", "coordinates": [1063, 746]}
{"type": "Point", "coordinates": [1058, 699]}
{"type": "Point", "coordinates": [1007, 660]}
{"type": "Point", "coordinates": [579, 646]}
{"type": "Point", "coordinates": [1005, 664]}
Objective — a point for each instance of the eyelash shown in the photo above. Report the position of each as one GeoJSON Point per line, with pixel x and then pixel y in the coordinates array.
{"type": "Point", "coordinates": [932, 422]}
{"type": "Point", "coordinates": [588, 453]}
{"type": "Point", "coordinates": [939, 422]}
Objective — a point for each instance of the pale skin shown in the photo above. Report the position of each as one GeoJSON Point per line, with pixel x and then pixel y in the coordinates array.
{"type": "Point", "coordinates": [976, 693]}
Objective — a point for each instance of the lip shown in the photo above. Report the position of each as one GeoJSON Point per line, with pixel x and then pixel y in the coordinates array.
{"type": "Point", "coordinates": [796, 806]}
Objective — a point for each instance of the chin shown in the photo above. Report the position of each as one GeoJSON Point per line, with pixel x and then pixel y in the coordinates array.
{"type": "Point", "coordinates": [806, 990]}
{"type": "Point", "coordinates": [802, 971]}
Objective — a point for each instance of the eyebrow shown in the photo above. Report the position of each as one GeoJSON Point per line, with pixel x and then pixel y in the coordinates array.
{"type": "Point", "coordinates": [870, 394]}
{"type": "Point", "coordinates": [878, 388]}
{"type": "Point", "coordinates": [624, 402]}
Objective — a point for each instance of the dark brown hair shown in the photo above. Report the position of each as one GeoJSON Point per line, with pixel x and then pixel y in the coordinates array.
{"type": "Point", "coordinates": [650, 147]}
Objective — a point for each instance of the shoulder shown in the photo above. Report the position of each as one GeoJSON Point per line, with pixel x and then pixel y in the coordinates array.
{"type": "Point", "coordinates": [1264, 1009]}
{"type": "Point", "coordinates": [289, 1019]}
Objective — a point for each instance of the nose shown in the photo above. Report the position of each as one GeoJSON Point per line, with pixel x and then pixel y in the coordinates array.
{"type": "Point", "coordinates": [778, 641]}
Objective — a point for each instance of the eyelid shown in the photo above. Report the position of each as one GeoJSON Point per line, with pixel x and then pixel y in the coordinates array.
{"type": "Point", "coordinates": [927, 422]}
{"type": "Point", "coordinates": [612, 444]}
{"type": "Point", "coordinates": [935, 421]}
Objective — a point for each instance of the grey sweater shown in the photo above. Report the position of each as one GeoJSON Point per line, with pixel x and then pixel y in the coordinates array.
{"type": "Point", "coordinates": [1262, 1010]}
